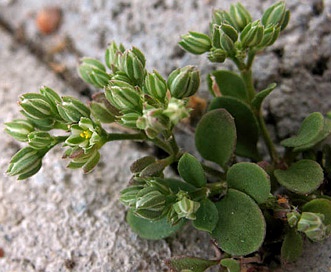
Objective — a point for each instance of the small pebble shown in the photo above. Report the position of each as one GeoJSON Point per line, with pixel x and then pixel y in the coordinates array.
{"type": "Point", "coordinates": [48, 20]}
{"type": "Point", "coordinates": [2, 253]}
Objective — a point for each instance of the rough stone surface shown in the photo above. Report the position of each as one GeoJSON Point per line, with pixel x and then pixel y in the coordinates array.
{"type": "Point", "coordinates": [60, 216]}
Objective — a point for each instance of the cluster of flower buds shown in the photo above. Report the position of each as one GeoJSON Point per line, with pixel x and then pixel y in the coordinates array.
{"type": "Point", "coordinates": [232, 33]}
{"type": "Point", "coordinates": [152, 199]}
{"type": "Point", "coordinates": [136, 98]}
{"type": "Point", "coordinates": [45, 111]}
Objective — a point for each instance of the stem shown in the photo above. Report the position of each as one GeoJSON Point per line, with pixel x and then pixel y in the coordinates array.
{"type": "Point", "coordinates": [125, 136]}
{"type": "Point", "coordinates": [246, 75]}
{"type": "Point", "coordinates": [163, 145]}
{"type": "Point", "coordinates": [213, 172]}
{"type": "Point", "coordinates": [267, 139]}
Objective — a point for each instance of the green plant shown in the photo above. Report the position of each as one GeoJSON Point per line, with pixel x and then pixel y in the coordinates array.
{"type": "Point", "coordinates": [245, 206]}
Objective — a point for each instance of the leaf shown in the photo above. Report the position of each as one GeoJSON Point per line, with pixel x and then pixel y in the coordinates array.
{"type": "Point", "coordinates": [319, 205]}
{"type": "Point", "coordinates": [309, 130]}
{"type": "Point", "coordinates": [292, 246]}
{"type": "Point", "coordinates": [246, 124]}
{"type": "Point", "coordinates": [302, 177]}
{"type": "Point", "coordinates": [215, 136]}
{"type": "Point", "coordinates": [251, 179]}
{"type": "Point", "coordinates": [321, 136]}
{"type": "Point", "coordinates": [241, 227]}
{"type": "Point", "coordinates": [194, 264]}
{"type": "Point", "coordinates": [259, 97]}
{"type": "Point", "coordinates": [231, 265]}
{"type": "Point", "coordinates": [191, 171]}
{"type": "Point", "coordinates": [206, 216]}
{"type": "Point", "coordinates": [152, 230]}
{"type": "Point", "coordinates": [229, 83]}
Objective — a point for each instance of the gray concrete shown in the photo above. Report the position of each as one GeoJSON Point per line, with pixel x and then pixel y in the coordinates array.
{"type": "Point", "coordinates": [61, 215]}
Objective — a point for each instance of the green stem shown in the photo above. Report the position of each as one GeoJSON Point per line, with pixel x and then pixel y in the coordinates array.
{"type": "Point", "coordinates": [246, 75]}
{"type": "Point", "coordinates": [217, 188]}
{"type": "Point", "coordinates": [163, 145]}
{"type": "Point", "coordinates": [213, 172]}
{"type": "Point", "coordinates": [125, 136]}
{"type": "Point", "coordinates": [267, 139]}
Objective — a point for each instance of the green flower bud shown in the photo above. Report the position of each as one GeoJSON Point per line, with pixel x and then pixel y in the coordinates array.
{"type": "Point", "coordinates": [276, 15]}
{"type": "Point", "coordinates": [230, 31]}
{"type": "Point", "coordinates": [81, 159]}
{"type": "Point", "coordinates": [153, 122]}
{"type": "Point", "coordinates": [40, 140]}
{"type": "Point", "coordinates": [94, 72]}
{"type": "Point", "coordinates": [133, 64]}
{"type": "Point", "coordinates": [72, 109]}
{"type": "Point", "coordinates": [226, 43]}
{"type": "Point", "coordinates": [312, 225]}
{"type": "Point", "coordinates": [221, 16]}
{"type": "Point", "coordinates": [155, 86]}
{"type": "Point", "coordinates": [124, 96]}
{"type": "Point", "coordinates": [150, 203]}
{"type": "Point", "coordinates": [176, 111]}
{"type": "Point", "coordinates": [216, 36]}
{"type": "Point", "coordinates": [240, 16]}
{"type": "Point", "coordinates": [293, 218]}
{"type": "Point", "coordinates": [85, 135]}
{"type": "Point", "coordinates": [129, 195]}
{"type": "Point", "coordinates": [101, 109]}
{"type": "Point", "coordinates": [270, 35]}
{"type": "Point", "coordinates": [129, 119]}
{"type": "Point", "coordinates": [217, 55]}
{"type": "Point", "coordinates": [186, 208]}
{"type": "Point", "coordinates": [25, 163]}
{"type": "Point", "coordinates": [195, 43]}
{"type": "Point", "coordinates": [159, 185]}
{"type": "Point", "coordinates": [35, 106]}
{"type": "Point", "coordinates": [252, 34]}
{"type": "Point", "coordinates": [184, 82]}
{"type": "Point", "coordinates": [121, 76]}
{"type": "Point", "coordinates": [113, 53]}
{"type": "Point", "coordinates": [19, 129]}
{"type": "Point", "coordinates": [53, 99]}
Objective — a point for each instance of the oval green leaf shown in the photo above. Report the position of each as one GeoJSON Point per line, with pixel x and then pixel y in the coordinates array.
{"type": "Point", "coordinates": [241, 227]}
{"type": "Point", "coordinates": [246, 125]}
{"type": "Point", "coordinates": [206, 216]}
{"type": "Point", "coordinates": [152, 230]}
{"type": "Point", "coordinates": [292, 246]}
{"type": "Point", "coordinates": [302, 177]}
{"type": "Point", "coordinates": [309, 130]}
{"type": "Point", "coordinates": [215, 136]}
{"type": "Point", "coordinates": [251, 179]}
{"type": "Point", "coordinates": [319, 205]}
{"type": "Point", "coordinates": [232, 265]}
{"type": "Point", "coordinates": [228, 83]}
{"type": "Point", "coordinates": [189, 263]}
{"type": "Point", "coordinates": [191, 171]}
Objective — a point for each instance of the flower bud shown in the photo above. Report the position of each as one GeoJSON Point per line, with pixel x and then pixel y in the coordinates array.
{"type": "Point", "coordinates": [19, 129]}
{"type": "Point", "coordinates": [153, 122]}
{"type": "Point", "coordinates": [155, 86]}
{"type": "Point", "coordinates": [129, 195]}
{"type": "Point", "coordinates": [293, 218]}
{"type": "Point", "coordinates": [240, 16]}
{"type": "Point", "coordinates": [53, 99]}
{"type": "Point", "coordinates": [226, 43]}
{"type": "Point", "coordinates": [159, 184]}
{"type": "Point", "coordinates": [112, 55]}
{"type": "Point", "coordinates": [186, 208]}
{"type": "Point", "coordinates": [129, 119]}
{"type": "Point", "coordinates": [25, 163]}
{"type": "Point", "coordinates": [195, 43]}
{"type": "Point", "coordinates": [217, 55]}
{"type": "Point", "coordinates": [133, 64]}
{"type": "Point", "coordinates": [176, 111]}
{"type": "Point", "coordinates": [270, 35]}
{"type": "Point", "coordinates": [312, 225]}
{"type": "Point", "coordinates": [150, 203]}
{"type": "Point", "coordinates": [184, 82]}
{"type": "Point", "coordinates": [252, 34]}
{"type": "Point", "coordinates": [72, 109]}
{"type": "Point", "coordinates": [80, 159]}
{"type": "Point", "coordinates": [230, 31]}
{"type": "Point", "coordinates": [40, 140]}
{"type": "Point", "coordinates": [124, 96]}
{"type": "Point", "coordinates": [276, 15]}
{"type": "Point", "coordinates": [35, 106]}
{"type": "Point", "coordinates": [221, 16]}
{"type": "Point", "coordinates": [94, 72]}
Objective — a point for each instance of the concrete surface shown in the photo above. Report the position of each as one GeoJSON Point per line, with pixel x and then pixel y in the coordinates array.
{"type": "Point", "coordinates": [61, 217]}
